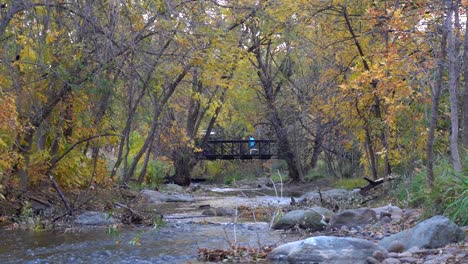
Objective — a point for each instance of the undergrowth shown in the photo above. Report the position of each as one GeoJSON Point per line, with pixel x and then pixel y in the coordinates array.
{"type": "Point", "coordinates": [349, 184]}
{"type": "Point", "coordinates": [449, 196]}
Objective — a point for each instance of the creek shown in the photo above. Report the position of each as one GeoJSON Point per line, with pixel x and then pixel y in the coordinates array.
{"type": "Point", "coordinates": [177, 241]}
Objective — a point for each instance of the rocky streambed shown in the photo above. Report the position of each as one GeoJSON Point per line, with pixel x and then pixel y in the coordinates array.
{"type": "Point", "coordinates": [244, 225]}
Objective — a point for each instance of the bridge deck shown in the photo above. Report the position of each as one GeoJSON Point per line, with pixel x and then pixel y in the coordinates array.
{"type": "Point", "coordinates": [239, 149]}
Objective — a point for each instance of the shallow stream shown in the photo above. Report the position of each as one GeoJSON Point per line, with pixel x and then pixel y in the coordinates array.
{"type": "Point", "coordinates": [178, 241]}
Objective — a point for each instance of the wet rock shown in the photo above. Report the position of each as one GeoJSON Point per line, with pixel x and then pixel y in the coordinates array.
{"type": "Point", "coordinates": [435, 232]}
{"type": "Point", "coordinates": [219, 212]}
{"type": "Point", "coordinates": [393, 212]}
{"type": "Point", "coordinates": [391, 261]}
{"type": "Point", "coordinates": [371, 260]}
{"type": "Point", "coordinates": [307, 219]}
{"type": "Point", "coordinates": [325, 249]}
{"type": "Point", "coordinates": [353, 218]}
{"type": "Point", "coordinates": [94, 218]}
{"type": "Point", "coordinates": [159, 197]}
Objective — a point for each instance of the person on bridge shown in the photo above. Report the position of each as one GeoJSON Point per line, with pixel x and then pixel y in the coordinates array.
{"type": "Point", "coordinates": [252, 145]}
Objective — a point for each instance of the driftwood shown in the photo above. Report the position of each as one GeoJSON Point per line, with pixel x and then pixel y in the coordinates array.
{"type": "Point", "coordinates": [374, 183]}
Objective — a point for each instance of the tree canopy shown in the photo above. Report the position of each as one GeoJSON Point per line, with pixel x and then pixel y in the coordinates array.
{"type": "Point", "coordinates": [101, 91]}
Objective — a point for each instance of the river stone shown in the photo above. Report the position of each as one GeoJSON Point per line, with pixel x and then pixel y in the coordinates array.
{"type": "Point", "coordinates": [219, 212]}
{"type": "Point", "coordinates": [326, 213]}
{"type": "Point", "coordinates": [94, 218]}
{"type": "Point", "coordinates": [325, 249]}
{"type": "Point", "coordinates": [337, 194]}
{"type": "Point", "coordinates": [391, 261]}
{"type": "Point", "coordinates": [307, 219]}
{"type": "Point", "coordinates": [171, 187]}
{"type": "Point", "coordinates": [394, 212]}
{"type": "Point", "coordinates": [353, 217]}
{"type": "Point", "coordinates": [435, 232]}
{"type": "Point", "coordinates": [159, 197]}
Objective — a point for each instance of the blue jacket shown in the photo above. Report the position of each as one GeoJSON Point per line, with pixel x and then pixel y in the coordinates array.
{"type": "Point", "coordinates": [251, 142]}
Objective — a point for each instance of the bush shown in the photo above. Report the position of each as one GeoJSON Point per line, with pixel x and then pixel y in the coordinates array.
{"type": "Point", "coordinates": [156, 172]}
{"type": "Point", "coordinates": [279, 177]}
{"type": "Point", "coordinates": [449, 196]}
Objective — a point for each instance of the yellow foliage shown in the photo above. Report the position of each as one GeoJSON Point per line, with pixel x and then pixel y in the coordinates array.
{"type": "Point", "coordinates": [9, 127]}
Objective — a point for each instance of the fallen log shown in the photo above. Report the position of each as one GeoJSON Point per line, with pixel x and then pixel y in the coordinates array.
{"type": "Point", "coordinates": [374, 183]}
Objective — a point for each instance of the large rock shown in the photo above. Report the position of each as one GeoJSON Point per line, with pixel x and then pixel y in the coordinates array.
{"type": "Point", "coordinates": [326, 213]}
{"type": "Point", "coordinates": [219, 212]}
{"type": "Point", "coordinates": [307, 219]}
{"type": "Point", "coordinates": [435, 232]}
{"type": "Point", "coordinates": [159, 197]}
{"type": "Point", "coordinates": [394, 212]}
{"type": "Point", "coordinates": [94, 218]}
{"type": "Point", "coordinates": [353, 218]}
{"type": "Point", "coordinates": [171, 187]}
{"type": "Point", "coordinates": [335, 199]}
{"type": "Point", "coordinates": [337, 194]}
{"type": "Point", "coordinates": [325, 249]}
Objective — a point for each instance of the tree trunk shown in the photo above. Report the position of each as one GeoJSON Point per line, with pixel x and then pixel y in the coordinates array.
{"type": "Point", "coordinates": [435, 96]}
{"type": "Point", "coordinates": [183, 163]}
{"type": "Point", "coordinates": [371, 152]}
{"type": "Point", "coordinates": [318, 142]}
{"type": "Point", "coordinates": [24, 149]}
{"type": "Point", "coordinates": [141, 177]}
{"type": "Point", "coordinates": [376, 107]}
{"type": "Point", "coordinates": [465, 93]}
{"type": "Point", "coordinates": [131, 170]}
{"type": "Point", "coordinates": [158, 107]}
{"type": "Point", "coordinates": [284, 146]}
{"type": "Point", "coordinates": [454, 86]}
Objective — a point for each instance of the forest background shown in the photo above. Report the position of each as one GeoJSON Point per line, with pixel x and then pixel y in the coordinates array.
{"type": "Point", "coordinates": [95, 93]}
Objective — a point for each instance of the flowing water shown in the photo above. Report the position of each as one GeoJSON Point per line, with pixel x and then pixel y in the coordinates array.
{"type": "Point", "coordinates": [173, 243]}
{"type": "Point", "coordinates": [177, 241]}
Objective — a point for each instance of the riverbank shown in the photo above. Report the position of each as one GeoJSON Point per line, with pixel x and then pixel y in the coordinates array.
{"type": "Point", "coordinates": [205, 222]}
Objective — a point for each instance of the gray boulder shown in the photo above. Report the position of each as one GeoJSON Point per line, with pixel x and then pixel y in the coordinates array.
{"type": "Point", "coordinates": [307, 219]}
{"type": "Point", "coordinates": [326, 213]}
{"type": "Point", "coordinates": [435, 232]}
{"type": "Point", "coordinates": [171, 187]}
{"type": "Point", "coordinates": [94, 218]}
{"type": "Point", "coordinates": [325, 249]}
{"type": "Point", "coordinates": [337, 194]}
{"type": "Point", "coordinates": [219, 212]}
{"type": "Point", "coordinates": [159, 197]}
{"type": "Point", "coordinates": [394, 212]}
{"type": "Point", "coordinates": [353, 217]}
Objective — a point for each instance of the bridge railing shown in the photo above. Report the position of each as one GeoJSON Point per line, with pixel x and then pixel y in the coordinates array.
{"type": "Point", "coordinates": [239, 149]}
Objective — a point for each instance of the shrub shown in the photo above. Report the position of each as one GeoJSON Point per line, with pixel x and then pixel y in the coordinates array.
{"type": "Point", "coordinates": [157, 171]}
{"type": "Point", "coordinates": [448, 197]}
